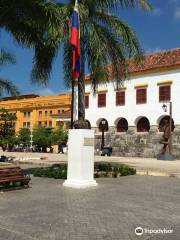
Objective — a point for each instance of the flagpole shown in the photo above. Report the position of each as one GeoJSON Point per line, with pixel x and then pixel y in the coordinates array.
{"type": "Point", "coordinates": [76, 4]}
{"type": "Point", "coordinates": [75, 42]}
{"type": "Point", "coordinates": [72, 104]}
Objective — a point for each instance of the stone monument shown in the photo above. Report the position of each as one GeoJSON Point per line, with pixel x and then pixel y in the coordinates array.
{"type": "Point", "coordinates": [166, 141]}
{"type": "Point", "coordinates": [80, 157]}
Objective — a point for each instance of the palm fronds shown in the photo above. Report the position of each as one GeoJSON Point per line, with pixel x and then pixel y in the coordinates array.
{"type": "Point", "coordinates": [8, 87]}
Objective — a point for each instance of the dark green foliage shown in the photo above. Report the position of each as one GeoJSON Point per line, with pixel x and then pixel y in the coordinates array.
{"type": "Point", "coordinates": [105, 39]}
{"type": "Point", "coordinates": [125, 170]}
{"type": "Point", "coordinates": [6, 85]}
{"type": "Point", "coordinates": [103, 167]}
{"type": "Point", "coordinates": [114, 170]}
{"type": "Point", "coordinates": [59, 172]}
{"type": "Point", "coordinates": [45, 137]}
{"type": "Point", "coordinates": [59, 136]}
{"type": "Point", "coordinates": [30, 23]}
{"type": "Point", "coordinates": [101, 170]}
{"type": "Point", "coordinates": [7, 129]}
{"type": "Point", "coordinates": [42, 136]}
{"type": "Point", "coordinates": [24, 136]}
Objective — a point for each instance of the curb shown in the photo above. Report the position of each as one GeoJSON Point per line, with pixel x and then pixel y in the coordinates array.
{"type": "Point", "coordinates": [157, 174]}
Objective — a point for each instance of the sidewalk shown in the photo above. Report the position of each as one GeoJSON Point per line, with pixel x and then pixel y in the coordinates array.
{"type": "Point", "coordinates": [144, 166]}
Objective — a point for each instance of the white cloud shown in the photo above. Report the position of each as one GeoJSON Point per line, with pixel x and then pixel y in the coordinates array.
{"type": "Point", "coordinates": [177, 13]}
{"type": "Point", "coordinates": [157, 12]}
{"type": "Point", "coordinates": [46, 92]}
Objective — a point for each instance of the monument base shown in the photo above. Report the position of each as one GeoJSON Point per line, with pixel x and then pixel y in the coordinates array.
{"type": "Point", "coordinates": [166, 157]}
{"type": "Point", "coordinates": [79, 184]}
{"type": "Point", "coordinates": [80, 172]}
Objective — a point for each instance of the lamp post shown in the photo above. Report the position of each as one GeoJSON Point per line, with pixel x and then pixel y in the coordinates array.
{"type": "Point", "coordinates": [103, 123]}
{"type": "Point", "coordinates": [31, 133]}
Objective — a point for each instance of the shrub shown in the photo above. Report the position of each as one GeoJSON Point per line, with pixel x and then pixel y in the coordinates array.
{"type": "Point", "coordinates": [103, 167]}
{"type": "Point", "coordinates": [51, 172]}
{"type": "Point", "coordinates": [59, 171]}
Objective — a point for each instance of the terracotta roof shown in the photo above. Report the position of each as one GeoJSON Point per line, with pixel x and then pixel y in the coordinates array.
{"type": "Point", "coordinates": [159, 60]}
{"type": "Point", "coordinates": [163, 59]}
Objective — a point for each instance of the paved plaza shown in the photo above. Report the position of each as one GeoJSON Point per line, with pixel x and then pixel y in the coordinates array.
{"type": "Point", "coordinates": [112, 211]}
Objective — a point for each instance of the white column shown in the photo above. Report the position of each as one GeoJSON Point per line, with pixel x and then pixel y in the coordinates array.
{"type": "Point", "coordinates": [80, 159]}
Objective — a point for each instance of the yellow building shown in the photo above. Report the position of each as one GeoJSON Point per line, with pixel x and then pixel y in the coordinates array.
{"type": "Point", "coordinates": [33, 110]}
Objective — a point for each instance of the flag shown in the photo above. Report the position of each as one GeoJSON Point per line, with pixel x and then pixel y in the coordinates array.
{"type": "Point", "coordinates": [75, 42]}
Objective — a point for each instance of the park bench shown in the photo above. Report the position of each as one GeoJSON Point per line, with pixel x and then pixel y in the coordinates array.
{"type": "Point", "coordinates": [12, 175]}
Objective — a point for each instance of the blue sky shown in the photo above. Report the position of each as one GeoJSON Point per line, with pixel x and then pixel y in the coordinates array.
{"type": "Point", "coordinates": [157, 31]}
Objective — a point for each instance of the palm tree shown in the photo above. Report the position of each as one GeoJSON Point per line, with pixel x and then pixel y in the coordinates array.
{"type": "Point", "coordinates": [27, 22]}
{"type": "Point", "coordinates": [6, 85]}
{"type": "Point", "coordinates": [105, 39]}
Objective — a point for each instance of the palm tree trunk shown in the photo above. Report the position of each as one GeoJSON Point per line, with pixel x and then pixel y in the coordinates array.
{"type": "Point", "coordinates": [81, 88]}
{"type": "Point", "coordinates": [72, 104]}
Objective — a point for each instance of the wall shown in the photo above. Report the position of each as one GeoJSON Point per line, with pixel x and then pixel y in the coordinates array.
{"type": "Point", "coordinates": [133, 144]}
{"type": "Point", "coordinates": [33, 105]}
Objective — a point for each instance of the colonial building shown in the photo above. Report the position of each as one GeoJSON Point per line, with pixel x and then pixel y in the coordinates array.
{"type": "Point", "coordinates": [133, 114]}
{"type": "Point", "coordinates": [33, 110]}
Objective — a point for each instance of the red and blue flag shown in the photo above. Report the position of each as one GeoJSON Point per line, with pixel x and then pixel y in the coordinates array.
{"type": "Point", "coordinates": [75, 42]}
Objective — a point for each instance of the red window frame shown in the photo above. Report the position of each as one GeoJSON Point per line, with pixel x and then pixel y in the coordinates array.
{"type": "Point", "coordinates": [86, 101]}
{"type": "Point", "coordinates": [141, 95]}
{"type": "Point", "coordinates": [120, 98]}
{"type": "Point", "coordinates": [164, 93]}
{"type": "Point", "coordinates": [102, 100]}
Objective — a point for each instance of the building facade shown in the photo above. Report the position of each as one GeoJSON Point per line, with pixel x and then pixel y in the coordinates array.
{"type": "Point", "coordinates": [133, 113]}
{"type": "Point", "coordinates": [33, 110]}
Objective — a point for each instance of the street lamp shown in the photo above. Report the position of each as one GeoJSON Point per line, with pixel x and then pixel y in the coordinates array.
{"type": "Point", "coordinates": [103, 123]}
{"type": "Point", "coordinates": [31, 132]}
{"type": "Point", "coordinates": [164, 107]}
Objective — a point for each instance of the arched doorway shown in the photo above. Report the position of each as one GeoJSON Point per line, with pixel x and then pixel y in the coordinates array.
{"type": "Point", "coordinates": [122, 125]}
{"type": "Point", "coordinates": [143, 125]}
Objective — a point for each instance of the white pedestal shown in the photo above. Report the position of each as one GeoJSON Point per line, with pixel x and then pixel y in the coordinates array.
{"type": "Point", "coordinates": [80, 159]}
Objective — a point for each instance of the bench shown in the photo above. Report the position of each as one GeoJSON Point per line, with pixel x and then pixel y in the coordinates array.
{"type": "Point", "coordinates": [12, 175]}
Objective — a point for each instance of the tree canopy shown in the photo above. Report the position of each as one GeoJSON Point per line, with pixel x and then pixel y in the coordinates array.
{"type": "Point", "coordinates": [6, 85]}
{"type": "Point", "coordinates": [7, 127]}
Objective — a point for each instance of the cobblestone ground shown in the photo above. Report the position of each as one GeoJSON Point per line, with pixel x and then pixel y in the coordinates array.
{"type": "Point", "coordinates": [48, 211]}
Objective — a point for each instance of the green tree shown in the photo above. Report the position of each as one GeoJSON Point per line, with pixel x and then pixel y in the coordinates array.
{"type": "Point", "coordinates": [7, 127]}
{"type": "Point", "coordinates": [24, 136]}
{"type": "Point", "coordinates": [30, 23]}
{"type": "Point", "coordinates": [42, 137]}
{"type": "Point", "coordinates": [5, 84]}
{"type": "Point", "coordinates": [105, 39]}
{"type": "Point", "coordinates": [59, 136]}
